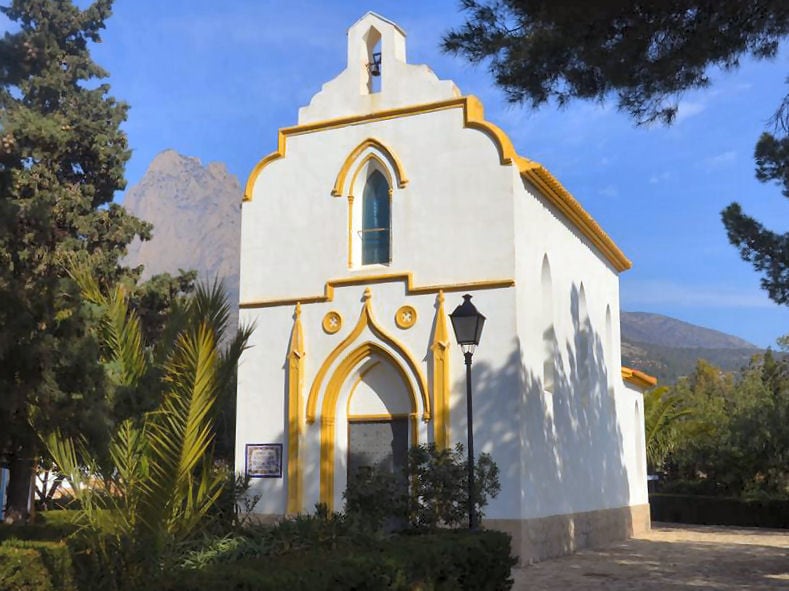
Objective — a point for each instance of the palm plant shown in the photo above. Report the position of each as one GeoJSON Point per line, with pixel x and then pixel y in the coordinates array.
{"type": "Point", "coordinates": [159, 480]}
{"type": "Point", "coordinates": [663, 412]}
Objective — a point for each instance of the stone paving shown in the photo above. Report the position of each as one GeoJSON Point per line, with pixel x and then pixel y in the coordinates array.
{"type": "Point", "coordinates": [671, 557]}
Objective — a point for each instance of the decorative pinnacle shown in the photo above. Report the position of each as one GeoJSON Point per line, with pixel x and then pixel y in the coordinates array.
{"type": "Point", "coordinates": [368, 293]}
{"type": "Point", "coordinates": [440, 296]}
{"type": "Point", "coordinates": [298, 311]}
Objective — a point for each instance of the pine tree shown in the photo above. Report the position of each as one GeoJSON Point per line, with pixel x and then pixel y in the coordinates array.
{"type": "Point", "coordinates": [62, 157]}
{"type": "Point", "coordinates": [644, 53]}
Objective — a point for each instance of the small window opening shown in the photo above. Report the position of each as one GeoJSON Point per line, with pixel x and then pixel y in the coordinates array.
{"type": "Point", "coordinates": [376, 220]}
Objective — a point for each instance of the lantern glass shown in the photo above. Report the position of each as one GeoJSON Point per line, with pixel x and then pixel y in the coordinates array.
{"type": "Point", "coordinates": [467, 322]}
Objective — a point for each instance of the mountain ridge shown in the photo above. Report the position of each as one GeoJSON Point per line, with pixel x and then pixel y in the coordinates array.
{"type": "Point", "coordinates": [195, 210]}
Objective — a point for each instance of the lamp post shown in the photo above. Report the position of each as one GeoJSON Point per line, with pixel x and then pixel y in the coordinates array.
{"type": "Point", "coordinates": [467, 323]}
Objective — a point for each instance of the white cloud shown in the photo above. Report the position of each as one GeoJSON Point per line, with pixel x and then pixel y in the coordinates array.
{"type": "Point", "coordinates": [660, 177]}
{"type": "Point", "coordinates": [609, 191]}
{"type": "Point", "coordinates": [722, 159]}
{"type": "Point", "coordinates": [641, 293]}
{"type": "Point", "coordinates": [688, 109]}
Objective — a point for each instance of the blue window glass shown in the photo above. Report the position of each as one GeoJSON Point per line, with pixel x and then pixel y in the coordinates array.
{"type": "Point", "coordinates": [375, 220]}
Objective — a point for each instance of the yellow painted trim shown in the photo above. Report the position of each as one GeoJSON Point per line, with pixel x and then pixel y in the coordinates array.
{"type": "Point", "coordinates": [638, 378]}
{"type": "Point", "coordinates": [350, 230]}
{"type": "Point", "coordinates": [441, 385]}
{"type": "Point", "coordinates": [380, 150]}
{"type": "Point", "coordinates": [405, 317]}
{"type": "Point", "coordinates": [332, 322]}
{"type": "Point", "coordinates": [328, 290]}
{"type": "Point", "coordinates": [329, 410]}
{"type": "Point", "coordinates": [561, 198]}
{"type": "Point", "coordinates": [382, 167]}
{"type": "Point", "coordinates": [474, 118]}
{"type": "Point", "coordinates": [296, 354]}
{"type": "Point", "coordinates": [367, 320]}
{"type": "Point", "coordinates": [268, 159]}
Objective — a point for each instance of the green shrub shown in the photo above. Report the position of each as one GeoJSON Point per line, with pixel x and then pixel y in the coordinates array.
{"type": "Point", "coordinates": [719, 510]}
{"type": "Point", "coordinates": [376, 500]}
{"type": "Point", "coordinates": [56, 525]}
{"type": "Point", "coordinates": [445, 561]}
{"type": "Point", "coordinates": [437, 494]}
{"type": "Point", "coordinates": [35, 566]}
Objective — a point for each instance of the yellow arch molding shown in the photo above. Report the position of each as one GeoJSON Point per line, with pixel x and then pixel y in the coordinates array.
{"type": "Point", "coordinates": [474, 118]}
{"type": "Point", "coordinates": [367, 320]}
{"type": "Point", "coordinates": [329, 410]}
{"type": "Point", "coordinates": [410, 288]}
{"type": "Point", "coordinates": [380, 150]}
{"type": "Point", "coordinates": [441, 385]}
{"type": "Point", "coordinates": [296, 355]}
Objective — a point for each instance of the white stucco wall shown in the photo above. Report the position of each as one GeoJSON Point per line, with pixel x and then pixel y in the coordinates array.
{"type": "Point", "coordinates": [462, 218]}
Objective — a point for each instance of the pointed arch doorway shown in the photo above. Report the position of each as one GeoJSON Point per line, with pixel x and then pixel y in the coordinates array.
{"type": "Point", "coordinates": [378, 412]}
{"type": "Point", "coordinates": [369, 419]}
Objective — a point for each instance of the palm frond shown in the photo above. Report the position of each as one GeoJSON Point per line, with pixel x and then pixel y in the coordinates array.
{"type": "Point", "coordinates": [662, 411]}
{"type": "Point", "coordinates": [181, 432]}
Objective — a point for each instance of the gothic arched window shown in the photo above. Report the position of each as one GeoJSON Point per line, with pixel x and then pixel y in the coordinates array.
{"type": "Point", "coordinates": [376, 220]}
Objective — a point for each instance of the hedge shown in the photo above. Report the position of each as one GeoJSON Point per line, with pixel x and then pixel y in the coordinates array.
{"type": "Point", "coordinates": [35, 566]}
{"type": "Point", "coordinates": [49, 526]}
{"type": "Point", "coordinates": [706, 510]}
{"type": "Point", "coordinates": [443, 561]}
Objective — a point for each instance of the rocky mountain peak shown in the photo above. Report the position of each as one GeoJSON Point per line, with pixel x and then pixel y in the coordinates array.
{"type": "Point", "coordinates": [196, 214]}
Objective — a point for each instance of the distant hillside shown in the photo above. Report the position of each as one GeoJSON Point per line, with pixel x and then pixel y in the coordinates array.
{"type": "Point", "coordinates": [196, 214]}
{"type": "Point", "coordinates": [643, 327]}
{"type": "Point", "coordinates": [668, 348]}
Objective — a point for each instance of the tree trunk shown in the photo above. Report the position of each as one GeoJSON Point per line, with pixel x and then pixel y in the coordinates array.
{"type": "Point", "coordinates": [20, 482]}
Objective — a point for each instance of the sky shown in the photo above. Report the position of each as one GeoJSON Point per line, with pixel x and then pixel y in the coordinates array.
{"type": "Point", "coordinates": [216, 79]}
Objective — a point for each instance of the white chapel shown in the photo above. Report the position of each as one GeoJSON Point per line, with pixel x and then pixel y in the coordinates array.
{"type": "Point", "coordinates": [390, 199]}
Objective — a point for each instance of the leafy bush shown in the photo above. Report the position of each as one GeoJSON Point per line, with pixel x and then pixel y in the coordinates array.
{"type": "Point", "coordinates": [52, 526]}
{"type": "Point", "coordinates": [375, 500]}
{"type": "Point", "coordinates": [35, 566]}
{"type": "Point", "coordinates": [294, 534]}
{"type": "Point", "coordinates": [446, 560]}
{"type": "Point", "coordinates": [719, 511]}
{"type": "Point", "coordinates": [437, 494]}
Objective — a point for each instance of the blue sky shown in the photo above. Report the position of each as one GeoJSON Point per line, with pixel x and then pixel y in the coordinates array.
{"type": "Point", "coordinates": [216, 79]}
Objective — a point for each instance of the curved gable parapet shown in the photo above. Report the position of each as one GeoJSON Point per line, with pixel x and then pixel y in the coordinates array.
{"type": "Point", "coordinates": [399, 83]}
{"type": "Point", "coordinates": [473, 118]}
{"type": "Point", "coordinates": [369, 148]}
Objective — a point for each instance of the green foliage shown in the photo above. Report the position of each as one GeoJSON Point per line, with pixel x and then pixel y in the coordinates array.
{"type": "Point", "coordinates": [736, 436]}
{"type": "Point", "coordinates": [706, 510]}
{"type": "Point", "coordinates": [646, 54]}
{"type": "Point", "coordinates": [437, 494]}
{"type": "Point", "coordinates": [448, 560]}
{"type": "Point", "coordinates": [376, 500]}
{"type": "Point", "coordinates": [439, 485]}
{"type": "Point", "coordinates": [153, 489]}
{"type": "Point", "coordinates": [62, 156]}
{"type": "Point", "coordinates": [54, 526]}
{"type": "Point", "coordinates": [662, 412]}
{"type": "Point", "coordinates": [36, 566]}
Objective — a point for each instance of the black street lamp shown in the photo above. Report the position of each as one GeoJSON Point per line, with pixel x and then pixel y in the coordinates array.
{"type": "Point", "coordinates": [467, 323]}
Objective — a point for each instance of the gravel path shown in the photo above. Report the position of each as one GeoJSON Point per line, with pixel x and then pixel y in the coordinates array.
{"type": "Point", "coordinates": [671, 557]}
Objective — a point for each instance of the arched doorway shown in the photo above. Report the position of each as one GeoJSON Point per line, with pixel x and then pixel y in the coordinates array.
{"type": "Point", "coordinates": [378, 411]}
{"type": "Point", "coordinates": [368, 418]}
